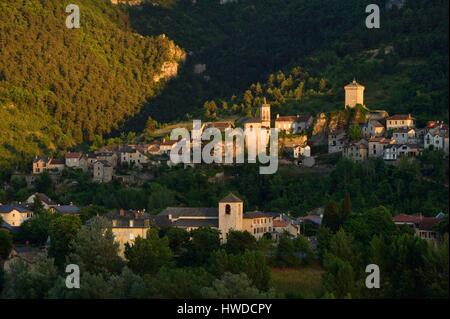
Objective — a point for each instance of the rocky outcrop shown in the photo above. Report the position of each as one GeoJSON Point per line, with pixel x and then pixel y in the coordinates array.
{"type": "Point", "coordinates": [169, 68]}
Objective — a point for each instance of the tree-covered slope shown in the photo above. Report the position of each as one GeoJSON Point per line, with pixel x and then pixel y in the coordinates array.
{"type": "Point", "coordinates": [404, 64]}
{"type": "Point", "coordinates": [59, 86]}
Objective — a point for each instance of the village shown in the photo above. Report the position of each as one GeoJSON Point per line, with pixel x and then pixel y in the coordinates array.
{"type": "Point", "coordinates": [390, 138]}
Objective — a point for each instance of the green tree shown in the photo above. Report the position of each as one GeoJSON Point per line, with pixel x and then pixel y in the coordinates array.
{"type": "Point", "coordinates": [36, 229]}
{"type": "Point", "coordinates": [95, 250]}
{"type": "Point", "coordinates": [331, 217]}
{"type": "Point", "coordinates": [205, 241]}
{"type": "Point", "coordinates": [252, 263]}
{"type": "Point", "coordinates": [178, 283]}
{"type": "Point", "coordinates": [339, 278]}
{"type": "Point", "coordinates": [354, 133]}
{"type": "Point", "coordinates": [234, 286]}
{"type": "Point", "coordinates": [44, 183]}
{"type": "Point", "coordinates": [147, 256]}
{"type": "Point", "coordinates": [178, 238]}
{"type": "Point", "coordinates": [239, 241]}
{"type": "Point", "coordinates": [6, 244]}
{"type": "Point", "coordinates": [62, 231]}
{"type": "Point", "coordinates": [30, 281]}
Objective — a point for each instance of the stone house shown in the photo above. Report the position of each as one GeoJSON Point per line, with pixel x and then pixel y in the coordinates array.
{"type": "Point", "coordinates": [73, 159]}
{"type": "Point", "coordinates": [15, 215]}
{"type": "Point", "coordinates": [377, 145]}
{"type": "Point", "coordinates": [132, 157]}
{"type": "Point", "coordinates": [293, 124]}
{"type": "Point", "coordinates": [393, 152]}
{"type": "Point", "coordinates": [423, 226]}
{"type": "Point", "coordinates": [373, 128]}
{"type": "Point", "coordinates": [70, 209]}
{"type": "Point", "coordinates": [102, 171]}
{"type": "Point", "coordinates": [40, 165]}
{"type": "Point", "coordinates": [127, 226]}
{"type": "Point", "coordinates": [337, 139]}
{"type": "Point", "coordinates": [44, 199]}
{"type": "Point", "coordinates": [357, 151]}
{"type": "Point", "coordinates": [400, 121]}
{"type": "Point", "coordinates": [404, 135]}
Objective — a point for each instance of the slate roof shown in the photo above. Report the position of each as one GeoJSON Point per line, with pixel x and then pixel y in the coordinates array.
{"type": "Point", "coordinates": [401, 117]}
{"type": "Point", "coordinates": [252, 215]}
{"type": "Point", "coordinates": [196, 223]}
{"type": "Point", "coordinates": [140, 219]}
{"type": "Point", "coordinates": [67, 209]}
{"type": "Point", "coordinates": [9, 208]}
{"type": "Point", "coordinates": [190, 212]}
{"type": "Point", "coordinates": [231, 198]}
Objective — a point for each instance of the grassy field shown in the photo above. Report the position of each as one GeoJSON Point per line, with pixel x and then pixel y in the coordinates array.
{"type": "Point", "coordinates": [303, 282]}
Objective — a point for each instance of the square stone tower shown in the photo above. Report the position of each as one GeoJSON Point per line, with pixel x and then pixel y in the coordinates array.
{"type": "Point", "coordinates": [354, 94]}
{"type": "Point", "coordinates": [265, 114]}
{"type": "Point", "coordinates": [231, 210]}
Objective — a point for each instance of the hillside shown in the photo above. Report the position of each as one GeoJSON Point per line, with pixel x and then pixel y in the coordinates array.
{"type": "Point", "coordinates": [60, 87]}
{"type": "Point", "coordinates": [404, 64]}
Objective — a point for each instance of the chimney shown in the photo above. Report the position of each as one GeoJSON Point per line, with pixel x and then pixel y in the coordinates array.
{"type": "Point", "coordinates": [122, 212]}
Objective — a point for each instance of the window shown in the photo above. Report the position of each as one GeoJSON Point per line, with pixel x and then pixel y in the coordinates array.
{"type": "Point", "coordinates": [228, 209]}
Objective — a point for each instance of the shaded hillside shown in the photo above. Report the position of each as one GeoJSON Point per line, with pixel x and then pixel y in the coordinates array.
{"type": "Point", "coordinates": [60, 87]}
{"type": "Point", "coordinates": [404, 64]}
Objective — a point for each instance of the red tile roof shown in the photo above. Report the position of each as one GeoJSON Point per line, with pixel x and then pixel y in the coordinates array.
{"type": "Point", "coordinates": [401, 117]}
{"type": "Point", "coordinates": [73, 155]}
{"type": "Point", "coordinates": [421, 222]}
{"type": "Point", "coordinates": [280, 223]}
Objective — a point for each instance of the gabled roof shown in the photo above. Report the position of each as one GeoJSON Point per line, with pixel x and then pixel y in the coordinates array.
{"type": "Point", "coordinates": [376, 123]}
{"type": "Point", "coordinates": [39, 158]}
{"type": "Point", "coordinates": [290, 118]}
{"type": "Point", "coordinates": [253, 120]}
{"type": "Point", "coordinates": [67, 209]}
{"type": "Point", "coordinates": [421, 222]}
{"type": "Point", "coordinates": [401, 117]}
{"type": "Point", "coordinates": [354, 84]}
{"type": "Point", "coordinates": [231, 198]}
{"type": "Point", "coordinates": [280, 223]}
{"type": "Point", "coordinates": [252, 215]}
{"type": "Point", "coordinates": [176, 212]}
{"type": "Point", "coordinates": [56, 161]}
{"type": "Point", "coordinates": [103, 162]}
{"type": "Point", "coordinates": [44, 198]}
{"type": "Point", "coordinates": [74, 155]}
{"type": "Point", "coordinates": [9, 208]}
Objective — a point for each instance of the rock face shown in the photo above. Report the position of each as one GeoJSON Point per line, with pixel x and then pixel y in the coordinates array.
{"type": "Point", "coordinates": [169, 69]}
{"type": "Point", "coordinates": [320, 124]}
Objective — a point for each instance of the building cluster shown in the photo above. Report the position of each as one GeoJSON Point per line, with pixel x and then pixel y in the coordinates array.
{"type": "Point", "coordinates": [384, 136]}
{"type": "Point", "coordinates": [13, 215]}
{"type": "Point", "coordinates": [228, 215]}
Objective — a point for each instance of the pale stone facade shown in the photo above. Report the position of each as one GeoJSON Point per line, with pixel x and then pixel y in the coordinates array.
{"type": "Point", "coordinates": [354, 94]}
{"type": "Point", "coordinates": [14, 215]}
{"type": "Point", "coordinates": [399, 121]}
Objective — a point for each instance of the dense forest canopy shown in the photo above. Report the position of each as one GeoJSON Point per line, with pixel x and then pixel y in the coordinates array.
{"type": "Point", "coordinates": [60, 87]}
{"type": "Point", "coordinates": [404, 64]}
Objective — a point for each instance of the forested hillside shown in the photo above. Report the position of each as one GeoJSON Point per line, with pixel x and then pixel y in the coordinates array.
{"type": "Point", "coordinates": [60, 87]}
{"type": "Point", "coordinates": [404, 64]}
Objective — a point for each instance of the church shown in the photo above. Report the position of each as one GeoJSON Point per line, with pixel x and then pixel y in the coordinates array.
{"type": "Point", "coordinates": [228, 215]}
